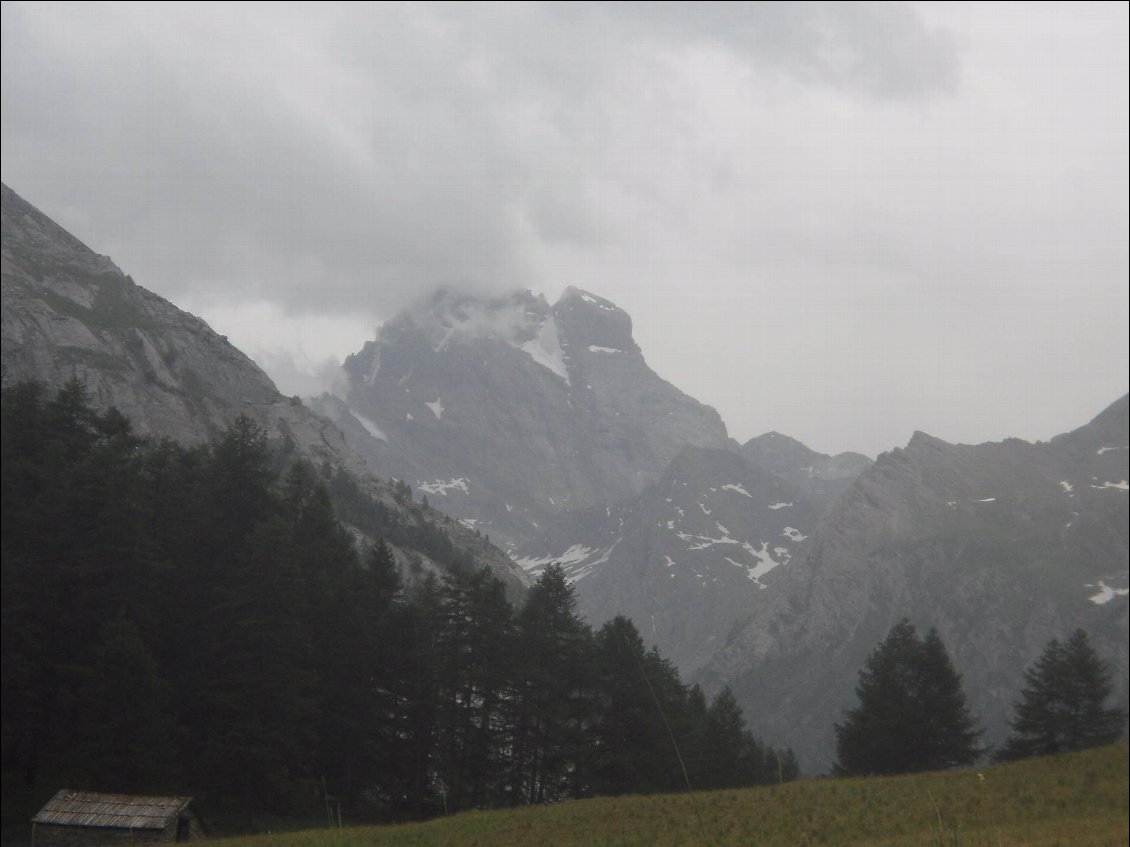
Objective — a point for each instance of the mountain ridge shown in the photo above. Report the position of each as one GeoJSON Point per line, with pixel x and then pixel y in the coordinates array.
{"type": "Point", "coordinates": [70, 313]}
{"type": "Point", "coordinates": [1001, 546]}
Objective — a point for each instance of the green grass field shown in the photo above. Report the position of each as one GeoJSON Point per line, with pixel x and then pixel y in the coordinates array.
{"type": "Point", "coordinates": [1076, 800]}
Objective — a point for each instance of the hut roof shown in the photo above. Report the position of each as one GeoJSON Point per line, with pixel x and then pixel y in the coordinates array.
{"type": "Point", "coordinates": [121, 811]}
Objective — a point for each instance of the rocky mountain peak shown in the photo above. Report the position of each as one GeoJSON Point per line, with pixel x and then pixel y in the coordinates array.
{"type": "Point", "coordinates": [1107, 429]}
{"type": "Point", "coordinates": [514, 318]}
{"type": "Point", "coordinates": [594, 325]}
{"type": "Point", "coordinates": [509, 410]}
{"type": "Point", "coordinates": [821, 477]}
{"type": "Point", "coordinates": [924, 441]}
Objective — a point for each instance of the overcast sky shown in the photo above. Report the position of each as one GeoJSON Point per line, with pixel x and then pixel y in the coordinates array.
{"type": "Point", "coordinates": [841, 222]}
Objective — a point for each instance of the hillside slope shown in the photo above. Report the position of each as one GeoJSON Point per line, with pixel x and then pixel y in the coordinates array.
{"type": "Point", "coordinates": [70, 313]}
{"type": "Point", "coordinates": [1078, 799]}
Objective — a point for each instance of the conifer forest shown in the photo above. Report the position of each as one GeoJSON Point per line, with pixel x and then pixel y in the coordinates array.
{"type": "Point", "coordinates": [197, 621]}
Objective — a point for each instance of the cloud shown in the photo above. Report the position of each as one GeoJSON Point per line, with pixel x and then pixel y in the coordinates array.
{"type": "Point", "coordinates": [795, 201]}
{"type": "Point", "coordinates": [883, 50]}
{"type": "Point", "coordinates": [354, 155]}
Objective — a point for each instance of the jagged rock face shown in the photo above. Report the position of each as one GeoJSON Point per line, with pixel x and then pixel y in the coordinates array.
{"type": "Point", "coordinates": [1001, 547]}
{"type": "Point", "coordinates": [507, 411]}
{"type": "Point", "coordinates": [685, 559]}
{"type": "Point", "coordinates": [71, 313]}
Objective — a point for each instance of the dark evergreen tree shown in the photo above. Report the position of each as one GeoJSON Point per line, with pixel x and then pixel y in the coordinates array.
{"type": "Point", "coordinates": [260, 695]}
{"type": "Point", "coordinates": [912, 714]}
{"type": "Point", "coordinates": [732, 755]}
{"type": "Point", "coordinates": [420, 701]}
{"type": "Point", "coordinates": [949, 738]}
{"type": "Point", "coordinates": [628, 728]}
{"type": "Point", "coordinates": [476, 643]}
{"type": "Point", "coordinates": [1063, 704]}
{"type": "Point", "coordinates": [548, 705]}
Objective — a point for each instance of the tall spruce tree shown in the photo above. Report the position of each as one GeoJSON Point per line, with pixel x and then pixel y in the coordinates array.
{"type": "Point", "coordinates": [549, 706]}
{"type": "Point", "coordinates": [1062, 706]}
{"type": "Point", "coordinates": [632, 751]}
{"type": "Point", "coordinates": [912, 714]}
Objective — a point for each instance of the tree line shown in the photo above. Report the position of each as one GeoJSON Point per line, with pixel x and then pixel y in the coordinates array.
{"type": "Point", "coordinates": [913, 715]}
{"type": "Point", "coordinates": [198, 621]}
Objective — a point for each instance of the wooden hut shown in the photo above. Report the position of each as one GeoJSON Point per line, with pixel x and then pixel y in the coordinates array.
{"type": "Point", "coordinates": [87, 819]}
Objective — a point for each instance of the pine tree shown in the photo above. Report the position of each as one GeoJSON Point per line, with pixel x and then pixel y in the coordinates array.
{"type": "Point", "coordinates": [260, 692]}
{"type": "Point", "coordinates": [633, 751]}
{"type": "Point", "coordinates": [1061, 707]}
{"type": "Point", "coordinates": [731, 753]}
{"type": "Point", "coordinates": [949, 739]}
{"type": "Point", "coordinates": [548, 708]}
{"type": "Point", "coordinates": [912, 714]}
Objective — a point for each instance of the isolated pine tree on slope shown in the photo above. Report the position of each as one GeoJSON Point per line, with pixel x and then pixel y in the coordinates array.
{"type": "Point", "coordinates": [1061, 707]}
{"type": "Point", "coordinates": [912, 713]}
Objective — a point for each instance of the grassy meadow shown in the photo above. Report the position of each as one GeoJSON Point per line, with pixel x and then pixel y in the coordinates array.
{"type": "Point", "coordinates": [1074, 800]}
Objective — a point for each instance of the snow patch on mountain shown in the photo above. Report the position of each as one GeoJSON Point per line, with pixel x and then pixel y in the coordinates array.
{"type": "Point", "coordinates": [437, 408]}
{"type": "Point", "coordinates": [704, 542]}
{"type": "Point", "coordinates": [793, 534]}
{"type": "Point", "coordinates": [1121, 485]}
{"type": "Point", "coordinates": [596, 301]}
{"type": "Point", "coordinates": [764, 562]}
{"type": "Point", "coordinates": [593, 348]}
{"type": "Point", "coordinates": [576, 553]}
{"type": "Point", "coordinates": [1066, 486]}
{"type": "Point", "coordinates": [736, 489]}
{"type": "Point", "coordinates": [545, 349]}
{"type": "Point", "coordinates": [370, 425]}
{"type": "Point", "coordinates": [779, 505]}
{"type": "Point", "coordinates": [1105, 593]}
{"type": "Point", "coordinates": [1102, 450]}
{"type": "Point", "coordinates": [374, 369]}
{"type": "Point", "coordinates": [578, 561]}
{"type": "Point", "coordinates": [442, 487]}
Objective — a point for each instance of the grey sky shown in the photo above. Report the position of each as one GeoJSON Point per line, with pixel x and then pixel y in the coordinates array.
{"type": "Point", "coordinates": [841, 222]}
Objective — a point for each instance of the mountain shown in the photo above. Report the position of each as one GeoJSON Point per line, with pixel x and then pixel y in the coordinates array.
{"type": "Point", "coordinates": [70, 313]}
{"type": "Point", "coordinates": [685, 559]}
{"type": "Point", "coordinates": [1000, 546]}
{"type": "Point", "coordinates": [507, 411]}
{"type": "Point", "coordinates": [766, 566]}
{"type": "Point", "coordinates": [543, 426]}
{"type": "Point", "coordinates": [821, 477]}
